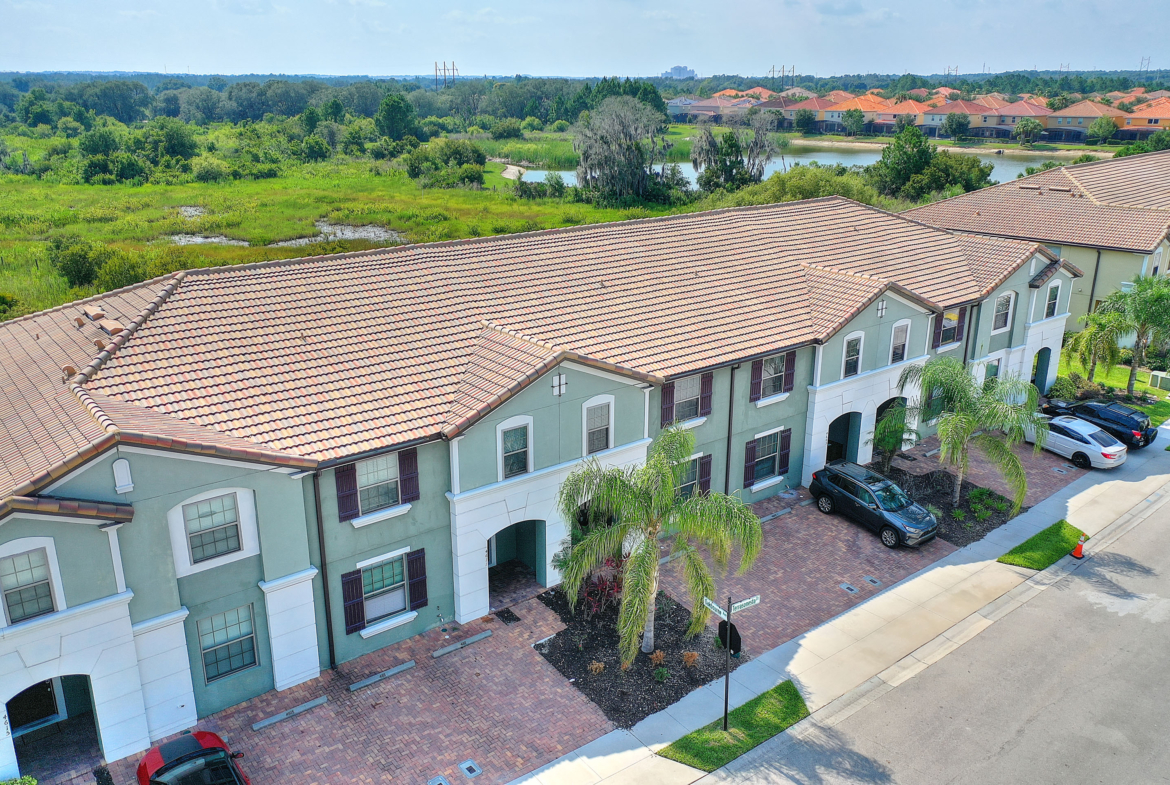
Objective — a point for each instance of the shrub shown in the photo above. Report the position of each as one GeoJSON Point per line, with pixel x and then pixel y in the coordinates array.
{"type": "Point", "coordinates": [121, 269]}
{"type": "Point", "coordinates": [210, 170]}
{"type": "Point", "coordinates": [978, 496]}
{"type": "Point", "coordinates": [1063, 387]}
{"type": "Point", "coordinates": [76, 259]}
{"type": "Point", "coordinates": [531, 124]}
{"type": "Point", "coordinates": [560, 126]}
{"type": "Point", "coordinates": [690, 659]}
{"type": "Point", "coordinates": [1001, 505]}
{"type": "Point", "coordinates": [596, 667]}
{"type": "Point", "coordinates": [507, 129]}
{"type": "Point", "coordinates": [26, 780]}
{"type": "Point", "coordinates": [958, 513]}
{"type": "Point", "coordinates": [315, 148]}
{"type": "Point", "coordinates": [657, 658]}
{"type": "Point", "coordinates": [661, 675]}
{"type": "Point", "coordinates": [981, 513]}
{"type": "Point", "coordinates": [935, 511]}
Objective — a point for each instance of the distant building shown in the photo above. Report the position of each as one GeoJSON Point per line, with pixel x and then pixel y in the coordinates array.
{"type": "Point", "coordinates": [679, 72]}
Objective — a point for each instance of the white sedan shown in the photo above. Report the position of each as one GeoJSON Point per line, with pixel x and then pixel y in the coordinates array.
{"type": "Point", "coordinates": [1083, 443]}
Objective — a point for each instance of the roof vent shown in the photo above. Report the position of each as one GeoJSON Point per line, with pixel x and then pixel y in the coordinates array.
{"type": "Point", "coordinates": [111, 326]}
{"type": "Point", "coordinates": [94, 313]}
{"type": "Point", "coordinates": [1029, 187]}
{"type": "Point", "coordinates": [99, 343]}
{"type": "Point", "coordinates": [68, 370]}
{"type": "Point", "coordinates": [79, 321]}
{"type": "Point", "coordinates": [978, 213]}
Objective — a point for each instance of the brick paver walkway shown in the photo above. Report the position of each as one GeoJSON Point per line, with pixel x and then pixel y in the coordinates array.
{"type": "Point", "coordinates": [496, 702]}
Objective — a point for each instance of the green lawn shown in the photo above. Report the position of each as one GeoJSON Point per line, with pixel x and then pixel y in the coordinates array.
{"type": "Point", "coordinates": [1118, 378]}
{"type": "Point", "coordinates": [750, 725]}
{"type": "Point", "coordinates": [1044, 549]}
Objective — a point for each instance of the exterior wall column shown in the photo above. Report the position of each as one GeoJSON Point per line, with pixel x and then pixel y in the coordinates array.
{"type": "Point", "coordinates": [292, 628]}
{"type": "Point", "coordinates": [8, 768]}
{"type": "Point", "coordinates": [165, 668]}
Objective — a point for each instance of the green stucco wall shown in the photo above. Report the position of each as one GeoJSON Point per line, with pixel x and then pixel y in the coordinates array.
{"type": "Point", "coordinates": [83, 554]}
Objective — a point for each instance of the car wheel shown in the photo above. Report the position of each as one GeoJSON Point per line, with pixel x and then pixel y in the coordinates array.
{"type": "Point", "coordinates": [1081, 461]}
{"type": "Point", "coordinates": [889, 537]}
{"type": "Point", "coordinates": [825, 504]}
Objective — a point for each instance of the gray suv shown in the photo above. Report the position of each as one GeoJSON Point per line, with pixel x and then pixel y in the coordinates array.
{"type": "Point", "coordinates": [873, 501]}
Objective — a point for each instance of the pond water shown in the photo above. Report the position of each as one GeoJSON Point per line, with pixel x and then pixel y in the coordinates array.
{"type": "Point", "coordinates": [1006, 166]}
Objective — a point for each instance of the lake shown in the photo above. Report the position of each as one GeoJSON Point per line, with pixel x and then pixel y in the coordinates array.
{"type": "Point", "coordinates": [1006, 166]}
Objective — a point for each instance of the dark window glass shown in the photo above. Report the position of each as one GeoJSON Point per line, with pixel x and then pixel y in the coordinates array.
{"type": "Point", "coordinates": [766, 447]}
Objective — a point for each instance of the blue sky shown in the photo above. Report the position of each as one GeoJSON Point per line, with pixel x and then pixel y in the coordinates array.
{"type": "Point", "coordinates": [625, 37]}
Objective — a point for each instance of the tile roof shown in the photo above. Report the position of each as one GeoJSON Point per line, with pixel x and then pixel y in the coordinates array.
{"type": "Point", "coordinates": [780, 102]}
{"type": "Point", "coordinates": [992, 101]}
{"type": "Point", "coordinates": [77, 508]}
{"type": "Point", "coordinates": [1159, 109]}
{"type": "Point", "coordinates": [299, 361]}
{"type": "Point", "coordinates": [814, 104]}
{"type": "Point", "coordinates": [907, 107]}
{"type": "Point", "coordinates": [966, 107]}
{"type": "Point", "coordinates": [1121, 203]}
{"type": "Point", "coordinates": [866, 103]}
{"type": "Point", "coordinates": [839, 95]}
{"type": "Point", "coordinates": [1089, 109]}
{"type": "Point", "coordinates": [1024, 109]}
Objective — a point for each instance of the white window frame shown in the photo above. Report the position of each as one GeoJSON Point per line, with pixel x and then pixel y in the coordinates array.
{"type": "Point", "coordinates": [507, 425]}
{"type": "Point", "coordinates": [766, 398]}
{"type": "Point", "coordinates": [909, 325]}
{"type": "Point", "coordinates": [249, 535]}
{"type": "Point", "coordinates": [397, 481]}
{"type": "Point", "coordinates": [398, 619]}
{"type": "Point", "coordinates": [400, 557]}
{"type": "Point", "coordinates": [943, 344]}
{"type": "Point", "coordinates": [860, 334]}
{"type": "Point", "coordinates": [694, 460]}
{"type": "Point", "coordinates": [1048, 296]}
{"type": "Point", "coordinates": [596, 400]}
{"type": "Point", "coordinates": [24, 545]}
{"type": "Point", "coordinates": [698, 399]}
{"type": "Point", "coordinates": [255, 644]}
{"type": "Point", "coordinates": [777, 478]}
{"type": "Point", "coordinates": [1011, 313]}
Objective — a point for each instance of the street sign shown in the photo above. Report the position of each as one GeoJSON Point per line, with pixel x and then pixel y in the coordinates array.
{"type": "Point", "coordinates": [715, 609]}
{"type": "Point", "coordinates": [743, 605]}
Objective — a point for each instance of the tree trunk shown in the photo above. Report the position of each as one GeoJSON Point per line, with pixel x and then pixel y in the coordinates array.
{"type": "Point", "coordinates": [648, 631]}
{"type": "Point", "coordinates": [1093, 368]}
{"type": "Point", "coordinates": [1138, 354]}
{"type": "Point", "coordinates": [958, 486]}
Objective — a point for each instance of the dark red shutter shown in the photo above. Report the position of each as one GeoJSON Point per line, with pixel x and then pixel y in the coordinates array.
{"type": "Point", "coordinates": [757, 380]}
{"type": "Point", "coordinates": [416, 574]}
{"type": "Point", "coordinates": [353, 601]}
{"type": "Point", "coordinates": [706, 384]}
{"type": "Point", "coordinates": [962, 321]}
{"type": "Point", "coordinates": [667, 404]}
{"type": "Point", "coordinates": [408, 475]}
{"type": "Point", "coordinates": [705, 474]}
{"type": "Point", "coordinates": [749, 464]}
{"type": "Point", "coordinates": [789, 371]}
{"type": "Point", "coordinates": [785, 451]}
{"type": "Point", "coordinates": [347, 492]}
{"type": "Point", "coordinates": [937, 340]}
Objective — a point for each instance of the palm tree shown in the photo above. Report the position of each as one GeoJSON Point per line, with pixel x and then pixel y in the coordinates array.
{"type": "Point", "coordinates": [645, 504]}
{"type": "Point", "coordinates": [1097, 342]}
{"type": "Point", "coordinates": [891, 433]}
{"type": "Point", "coordinates": [1144, 311]}
{"type": "Point", "coordinates": [989, 418]}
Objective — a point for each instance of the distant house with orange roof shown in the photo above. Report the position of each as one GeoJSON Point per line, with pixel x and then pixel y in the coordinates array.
{"type": "Point", "coordinates": [946, 91]}
{"type": "Point", "coordinates": [798, 92]}
{"type": "Point", "coordinates": [762, 93]}
{"type": "Point", "coordinates": [980, 116]}
{"type": "Point", "coordinates": [1012, 114]}
{"type": "Point", "coordinates": [920, 92]}
{"type": "Point", "coordinates": [1072, 123]}
{"type": "Point", "coordinates": [837, 96]}
{"type": "Point", "coordinates": [868, 105]}
{"type": "Point", "coordinates": [815, 105]}
{"type": "Point", "coordinates": [1147, 119]}
{"type": "Point", "coordinates": [992, 101]}
{"type": "Point", "coordinates": [887, 118]}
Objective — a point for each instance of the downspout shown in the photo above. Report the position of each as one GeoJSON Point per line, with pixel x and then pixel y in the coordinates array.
{"type": "Point", "coordinates": [730, 420]}
{"type": "Point", "coordinates": [1093, 285]}
{"type": "Point", "coordinates": [324, 569]}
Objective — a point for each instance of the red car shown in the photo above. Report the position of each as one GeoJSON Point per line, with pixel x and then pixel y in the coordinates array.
{"type": "Point", "coordinates": [198, 758]}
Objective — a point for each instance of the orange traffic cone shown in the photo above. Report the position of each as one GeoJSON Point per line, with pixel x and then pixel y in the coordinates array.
{"type": "Point", "coordinates": [1079, 551]}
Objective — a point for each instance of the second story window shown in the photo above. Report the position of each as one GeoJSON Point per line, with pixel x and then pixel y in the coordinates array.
{"type": "Point", "coordinates": [1053, 299]}
{"type": "Point", "coordinates": [686, 398]}
{"type": "Point", "coordinates": [24, 579]}
{"type": "Point", "coordinates": [1003, 312]}
{"type": "Point", "coordinates": [852, 356]}
{"type": "Point", "coordinates": [213, 527]}
{"type": "Point", "coordinates": [597, 428]}
{"type": "Point", "coordinates": [772, 379]}
{"type": "Point", "coordinates": [950, 328]}
{"type": "Point", "coordinates": [898, 343]}
{"type": "Point", "coordinates": [515, 451]}
{"type": "Point", "coordinates": [377, 481]}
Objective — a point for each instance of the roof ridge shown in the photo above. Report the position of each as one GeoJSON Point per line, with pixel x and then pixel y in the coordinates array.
{"type": "Point", "coordinates": [97, 363]}
{"type": "Point", "coordinates": [94, 408]}
{"type": "Point", "coordinates": [490, 325]}
{"type": "Point", "coordinates": [1078, 184]}
{"type": "Point", "coordinates": [92, 298]}
{"type": "Point", "coordinates": [850, 273]}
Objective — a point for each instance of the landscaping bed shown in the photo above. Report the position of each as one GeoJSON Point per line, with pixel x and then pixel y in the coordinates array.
{"type": "Point", "coordinates": [627, 697]}
{"type": "Point", "coordinates": [961, 525]}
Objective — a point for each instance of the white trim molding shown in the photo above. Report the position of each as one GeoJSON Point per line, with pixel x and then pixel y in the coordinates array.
{"type": "Point", "coordinates": [1012, 297]}
{"type": "Point", "coordinates": [506, 425]}
{"type": "Point", "coordinates": [388, 624]}
{"type": "Point", "coordinates": [613, 377]}
{"type": "Point", "coordinates": [380, 515]}
{"type": "Point", "coordinates": [116, 555]}
{"type": "Point", "coordinates": [249, 534]}
{"type": "Point", "coordinates": [860, 353]}
{"type": "Point", "coordinates": [596, 400]}
{"type": "Point", "coordinates": [383, 557]}
{"type": "Point", "coordinates": [24, 545]}
{"type": "Point", "coordinates": [771, 399]}
{"type": "Point", "coordinates": [694, 422]}
{"type": "Point", "coordinates": [909, 325]}
{"type": "Point", "coordinates": [123, 481]}
{"type": "Point", "coordinates": [165, 665]}
{"type": "Point", "coordinates": [292, 628]}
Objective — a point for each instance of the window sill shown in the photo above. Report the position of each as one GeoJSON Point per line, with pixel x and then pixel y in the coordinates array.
{"type": "Point", "coordinates": [389, 624]}
{"type": "Point", "coordinates": [694, 422]}
{"type": "Point", "coordinates": [950, 347]}
{"type": "Point", "coordinates": [1002, 330]}
{"type": "Point", "coordinates": [768, 483]}
{"type": "Point", "coordinates": [771, 399]}
{"type": "Point", "coordinates": [380, 515]}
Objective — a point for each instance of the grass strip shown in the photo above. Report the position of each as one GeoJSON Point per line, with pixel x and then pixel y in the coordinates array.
{"type": "Point", "coordinates": [1045, 548]}
{"type": "Point", "coordinates": [750, 725]}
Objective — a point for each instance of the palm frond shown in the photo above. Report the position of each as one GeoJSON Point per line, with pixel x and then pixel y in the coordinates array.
{"type": "Point", "coordinates": [700, 583]}
{"type": "Point", "coordinates": [639, 587]}
{"type": "Point", "coordinates": [719, 521]}
{"type": "Point", "coordinates": [1008, 464]}
{"type": "Point", "coordinates": [597, 546]}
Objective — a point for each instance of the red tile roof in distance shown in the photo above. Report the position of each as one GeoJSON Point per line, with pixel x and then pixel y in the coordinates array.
{"type": "Point", "coordinates": [1089, 109]}
{"type": "Point", "coordinates": [1024, 109]}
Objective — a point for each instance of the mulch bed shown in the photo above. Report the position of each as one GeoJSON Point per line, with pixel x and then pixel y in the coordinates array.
{"type": "Point", "coordinates": [627, 697]}
{"type": "Point", "coordinates": [935, 489]}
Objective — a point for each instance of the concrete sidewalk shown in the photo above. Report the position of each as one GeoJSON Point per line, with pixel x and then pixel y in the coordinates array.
{"type": "Point", "coordinates": [884, 641]}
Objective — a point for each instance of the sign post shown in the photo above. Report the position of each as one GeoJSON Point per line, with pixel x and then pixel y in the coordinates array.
{"type": "Point", "coordinates": [726, 615]}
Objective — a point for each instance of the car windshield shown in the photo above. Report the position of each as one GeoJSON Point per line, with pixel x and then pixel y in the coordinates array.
{"type": "Point", "coordinates": [1104, 439]}
{"type": "Point", "coordinates": [892, 497]}
{"type": "Point", "coordinates": [212, 768]}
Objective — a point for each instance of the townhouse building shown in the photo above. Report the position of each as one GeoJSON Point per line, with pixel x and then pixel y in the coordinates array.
{"type": "Point", "coordinates": [1110, 218]}
{"type": "Point", "coordinates": [220, 482]}
{"type": "Point", "coordinates": [1071, 124]}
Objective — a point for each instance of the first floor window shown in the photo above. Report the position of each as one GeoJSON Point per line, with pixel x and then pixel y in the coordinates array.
{"type": "Point", "coordinates": [515, 451]}
{"type": "Point", "coordinates": [852, 356]}
{"type": "Point", "coordinates": [772, 381]}
{"type": "Point", "coordinates": [1003, 312]}
{"type": "Point", "coordinates": [686, 398]}
{"type": "Point", "coordinates": [24, 579]}
{"type": "Point", "coordinates": [767, 448]}
{"type": "Point", "coordinates": [384, 589]}
{"type": "Point", "coordinates": [1050, 306]}
{"type": "Point", "coordinates": [689, 482]}
{"type": "Point", "coordinates": [950, 328]}
{"type": "Point", "coordinates": [597, 428]}
{"type": "Point", "coordinates": [228, 641]}
{"type": "Point", "coordinates": [377, 481]}
{"type": "Point", "coordinates": [934, 404]}
{"type": "Point", "coordinates": [213, 527]}
{"type": "Point", "coordinates": [901, 338]}
{"type": "Point", "coordinates": [990, 374]}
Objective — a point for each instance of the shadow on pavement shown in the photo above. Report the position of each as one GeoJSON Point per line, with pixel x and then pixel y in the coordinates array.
{"type": "Point", "coordinates": [1101, 566]}
{"type": "Point", "coordinates": [821, 757]}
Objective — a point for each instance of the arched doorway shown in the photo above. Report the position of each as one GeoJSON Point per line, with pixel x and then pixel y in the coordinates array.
{"type": "Point", "coordinates": [844, 437]}
{"type": "Point", "coordinates": [517, 563]}
{"type": "Point", "coordinates": [53, 727]}
{"type": "Point", "coordinates": [1040, 369]}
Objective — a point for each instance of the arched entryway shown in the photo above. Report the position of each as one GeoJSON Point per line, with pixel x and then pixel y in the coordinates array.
{"type": "Point", "coordinates": [53, 728]}
{"type": "Point", "coordinates": [517, 562]}
{"type": "Point", "coordinates": [1040, 365]}
{"type": "Point", "coordinates": [844, 437]}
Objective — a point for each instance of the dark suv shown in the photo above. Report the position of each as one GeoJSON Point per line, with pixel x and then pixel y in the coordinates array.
{"type": "Point", "coordinates": [1128, 424]}
{"type": "Point", "coordinates": [873, 501]}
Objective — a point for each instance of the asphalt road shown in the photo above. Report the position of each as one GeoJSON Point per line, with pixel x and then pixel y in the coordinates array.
{"type": "Point", "coordinates": [1073, 687]}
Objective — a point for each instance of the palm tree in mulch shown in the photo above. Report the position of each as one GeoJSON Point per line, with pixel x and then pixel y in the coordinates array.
{"type": "Point", "coordinates": [989, 418]}
{"type": "Point", "coordinates": [644, 504]}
